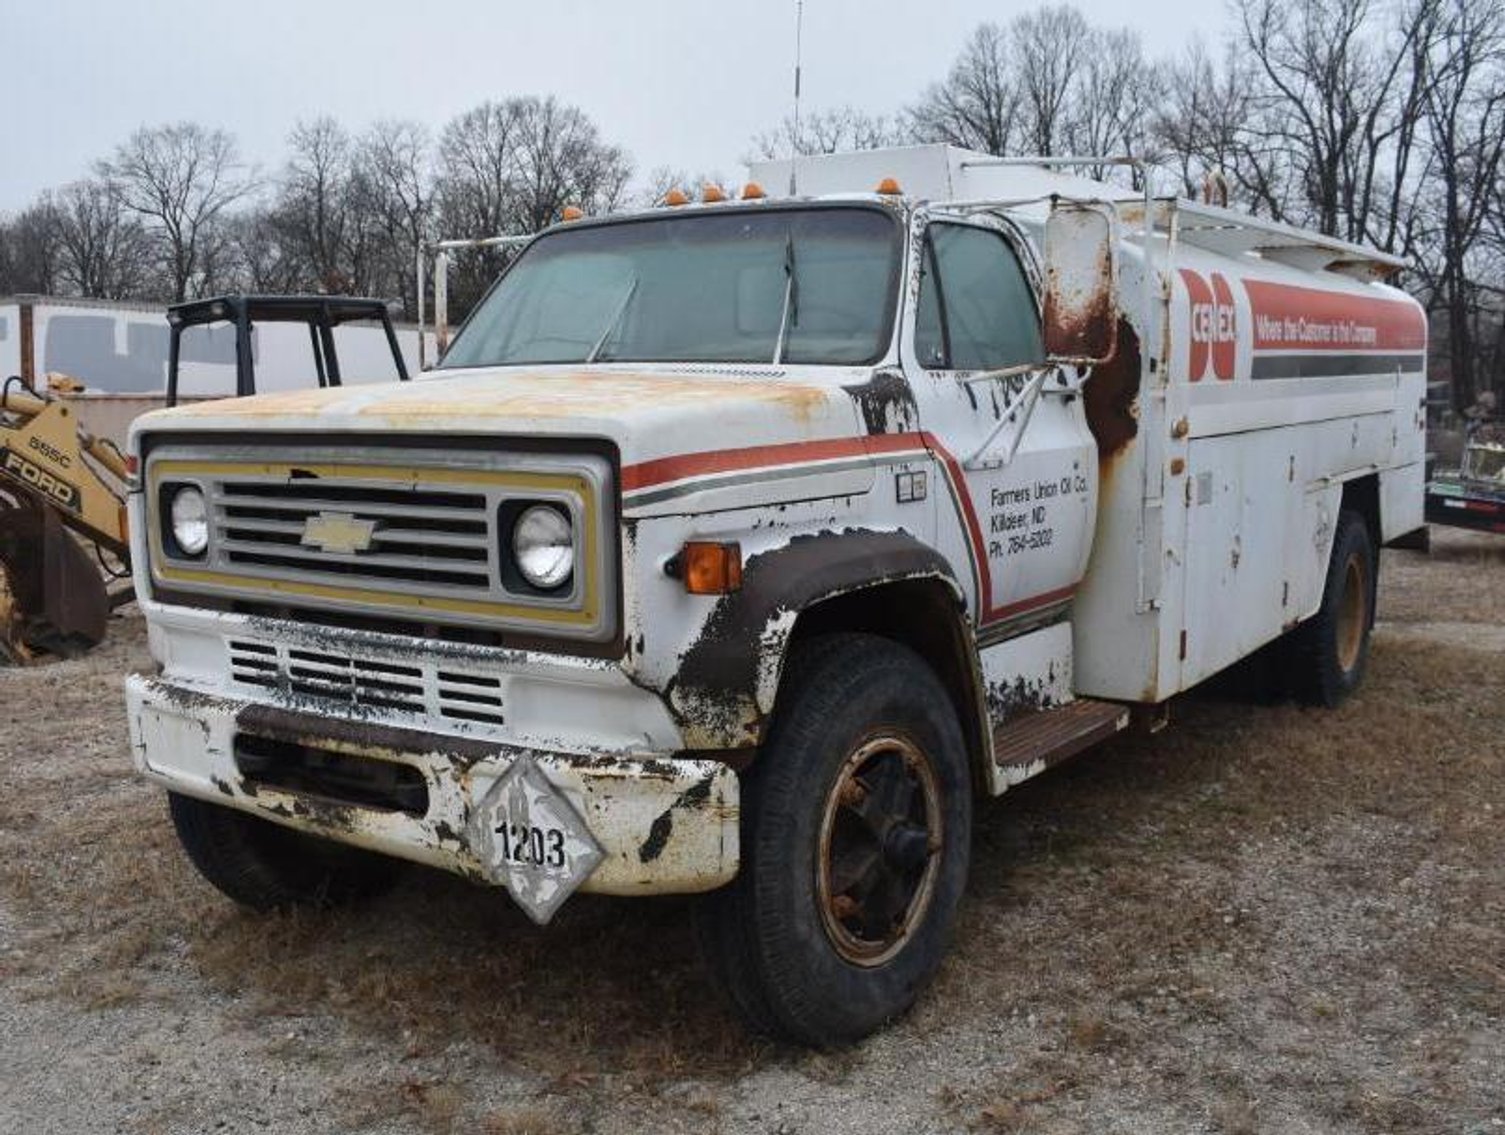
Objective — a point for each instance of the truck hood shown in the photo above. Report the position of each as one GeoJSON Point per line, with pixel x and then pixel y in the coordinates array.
{"type": "Point", "coordinates": [655, 417]}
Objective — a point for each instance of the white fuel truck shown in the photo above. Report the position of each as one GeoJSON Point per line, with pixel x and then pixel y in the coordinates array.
{"type": "Point", "coordinates": [737, 547]}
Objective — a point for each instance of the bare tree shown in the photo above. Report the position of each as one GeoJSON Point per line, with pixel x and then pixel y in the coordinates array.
{"type": "Point", "coordinates": [262, 261]}
{"type": "Point", "coordinates": [564, 161]}
{"type": "Point", "coordinates": [976, 105]}
{"type": "Point", "coordinates": [28, 250]}
{"type": "Point", "coordinates": [1332, 86]}
{"type": "Point", "coordinates": [316, 208]}
{"type": "Point", "coordinates": [1465, 126]}
{"type": "Point", "coordinates": [396, 195]}
{"type": "Point", "coordinates": [1051, 45]}
{"type": "Point", "coordinates": [103, 251]}
{"type": "Point", "coordinates": [180, 179]}
{"type": "Point", "coordinates": [1210, 122]}
{"type": "Point", "coordinates": [510, 167]}
{"type": "Point", "coordinates": [1118, 92]}
{"type": "Point", "coordinates": [831, 131]}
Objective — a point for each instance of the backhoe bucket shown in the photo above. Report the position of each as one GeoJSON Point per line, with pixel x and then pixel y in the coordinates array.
{"type": "Point", "coordinates": [52, 595]}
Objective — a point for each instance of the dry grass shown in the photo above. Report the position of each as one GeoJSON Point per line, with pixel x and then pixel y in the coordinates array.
{"type": "Point", "coordinates": [531, 1121]}
{"type": "Point", "coordinates": [1262, 908]}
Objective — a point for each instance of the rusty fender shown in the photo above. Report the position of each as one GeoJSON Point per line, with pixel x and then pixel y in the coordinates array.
{"type": "Point", "coordinates": [729, 676]}
{"type": "Point", "coordinates": [666, 826]}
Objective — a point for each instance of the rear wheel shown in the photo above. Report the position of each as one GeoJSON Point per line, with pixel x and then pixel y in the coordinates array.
{"type": "Point", "coordinates": [265, 866]}
{"type": "Point", "coordinates": [857, 824]}
{"type": "Point", "coordinates": [1331, 648]}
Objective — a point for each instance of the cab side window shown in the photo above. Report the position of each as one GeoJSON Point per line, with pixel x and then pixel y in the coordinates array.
{"type": "Point", "coordinates": [975, 310]}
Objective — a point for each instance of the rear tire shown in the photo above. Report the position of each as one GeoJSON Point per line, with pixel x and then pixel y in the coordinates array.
{"type": "Point", "coordinates": [1331, 649]}
{"type": "Point", "coordinates": [265, 866]}
{"type": "Point", "coordinates": [856, 837]}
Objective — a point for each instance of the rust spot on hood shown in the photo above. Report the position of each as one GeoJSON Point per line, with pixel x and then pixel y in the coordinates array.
{"type": "Point", "coordinates": [509, 394]}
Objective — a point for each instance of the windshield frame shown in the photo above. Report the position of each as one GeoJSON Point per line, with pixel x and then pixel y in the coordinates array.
{"type": "Point", "coordinates": [689, 214]}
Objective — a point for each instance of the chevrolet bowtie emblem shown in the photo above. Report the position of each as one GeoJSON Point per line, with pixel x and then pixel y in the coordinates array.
{"type": "Point", "coordinates": [338, 533]}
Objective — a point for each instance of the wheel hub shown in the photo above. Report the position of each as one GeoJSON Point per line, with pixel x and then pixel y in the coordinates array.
{"type": "Point", "coordinates": [1353, 613]}
{"type": "Point", "coordinates": [878, 856]}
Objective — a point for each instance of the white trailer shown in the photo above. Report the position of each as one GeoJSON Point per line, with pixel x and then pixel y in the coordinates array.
{"type": "Point", "coordinates": [733, 546]}
{"type": "Point", "coordinates": [119, 351]}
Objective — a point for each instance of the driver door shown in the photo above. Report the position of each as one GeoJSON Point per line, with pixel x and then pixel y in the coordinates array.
{"type": "Point", "coordinates": [1016, 448]}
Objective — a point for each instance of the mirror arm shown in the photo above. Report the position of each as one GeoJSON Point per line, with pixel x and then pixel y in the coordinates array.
{"type": "Point", "coordinates": [1005, 372]}
{"type": "Point", "coordinates": [1020, 411]}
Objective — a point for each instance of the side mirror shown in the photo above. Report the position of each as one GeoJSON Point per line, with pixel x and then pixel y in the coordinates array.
{"type": "Point", "coordinates": [1081, 283]}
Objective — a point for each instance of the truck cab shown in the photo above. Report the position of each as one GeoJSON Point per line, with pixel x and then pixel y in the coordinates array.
{"type": "Point", "coordinates": [735, 548]}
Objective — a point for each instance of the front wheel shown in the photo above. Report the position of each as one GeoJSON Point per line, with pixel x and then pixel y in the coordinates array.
{"type": "Point", "coordinates": [265, 866]}
{"type": "Point", "coordinates": [1332, 647]}
{"type": "Point", "coordinates": [857, 825]}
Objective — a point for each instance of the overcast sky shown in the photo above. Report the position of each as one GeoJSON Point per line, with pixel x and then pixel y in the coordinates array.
{"type": "Point", "coordinates": [678, 84]}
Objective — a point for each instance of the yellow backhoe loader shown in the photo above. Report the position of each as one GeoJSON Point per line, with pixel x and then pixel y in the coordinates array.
{"type": "Point", "coordinates": [62, 492]}
{"type": "Point", "coordinates": [64, 552]}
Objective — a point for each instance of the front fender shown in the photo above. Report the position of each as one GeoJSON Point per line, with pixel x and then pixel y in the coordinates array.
{"type": "Point", "coordinates": [728, 679]}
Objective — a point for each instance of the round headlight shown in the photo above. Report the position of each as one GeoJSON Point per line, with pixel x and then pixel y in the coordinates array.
{"type": "Point", "coordinates": [543, 546]}
{"type": "Point", "coordinates": [190, 521]}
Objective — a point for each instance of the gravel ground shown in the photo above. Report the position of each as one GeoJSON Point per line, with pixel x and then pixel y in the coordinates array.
{"type": "Point", "coordinates": [1262, 919]}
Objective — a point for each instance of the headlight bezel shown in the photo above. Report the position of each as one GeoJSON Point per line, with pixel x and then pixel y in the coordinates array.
{"type": "Point", "coordinates": [549, 582]}
{"type": "Point", "coordinates": [509, 515]}
{"type": "Point", "coordinates": [168, 497]}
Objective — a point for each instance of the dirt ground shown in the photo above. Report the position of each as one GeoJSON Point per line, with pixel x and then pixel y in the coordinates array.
{"type": "Point", "coordinates": [1264, 919]}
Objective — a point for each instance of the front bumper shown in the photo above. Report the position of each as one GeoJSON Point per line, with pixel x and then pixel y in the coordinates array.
{"type": "Point", "coordinates": [663, 825]}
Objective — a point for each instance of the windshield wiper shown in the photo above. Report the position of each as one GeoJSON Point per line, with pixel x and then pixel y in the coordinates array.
{"type": "Point", "coordinates": [616, 320]}
{"type": "Point", "coordinates": [791, 313]}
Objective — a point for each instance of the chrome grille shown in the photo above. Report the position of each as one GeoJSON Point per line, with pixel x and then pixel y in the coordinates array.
{"type": "Point", "coordinates": [365, 683]}
{"type": "Point", "coordinates": [418, 536]}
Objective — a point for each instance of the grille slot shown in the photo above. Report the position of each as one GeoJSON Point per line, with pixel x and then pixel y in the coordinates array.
{"type": "Point", "coordinates": [364, 683]}
{"type": "Point", "coordinates": [438, 539]}
{"type": "Point", "coordinates": [470, 697]}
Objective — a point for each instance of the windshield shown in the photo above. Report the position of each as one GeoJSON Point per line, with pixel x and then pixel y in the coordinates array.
{"type": "Point", "coordinates": [744, 286]}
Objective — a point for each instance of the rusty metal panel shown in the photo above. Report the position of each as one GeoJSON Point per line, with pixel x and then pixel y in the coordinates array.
{"type": "Point", "coordinates": [662, 825]}
{"type": "Point", "coordinates": [1081, 283]}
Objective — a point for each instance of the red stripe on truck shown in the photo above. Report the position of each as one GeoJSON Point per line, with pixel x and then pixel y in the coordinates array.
{"type": "Point", "coordinates": [1291, 318]}
{"type": "Point", "coordinates": [684, 466]}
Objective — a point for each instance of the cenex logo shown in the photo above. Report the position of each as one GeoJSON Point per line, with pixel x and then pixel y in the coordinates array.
{"type": "Point", "coordinates": [1213, 326]}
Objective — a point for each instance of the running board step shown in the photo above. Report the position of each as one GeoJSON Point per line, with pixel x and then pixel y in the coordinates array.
{"type": "Point", "coordinates": [1029, 745]}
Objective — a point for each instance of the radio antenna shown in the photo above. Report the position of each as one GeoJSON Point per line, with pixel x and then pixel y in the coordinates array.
{"type": "Point", "coordinates": [794, 142]}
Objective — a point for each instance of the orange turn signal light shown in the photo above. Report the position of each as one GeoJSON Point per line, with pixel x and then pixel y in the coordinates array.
{"type": "Point", "coordinates": [752, 191]}
{"type": "Point", "coordinates": [712, 194]}
{"type": "Point", "coordinates": [675, 198]}
{"type": "Point", "coordinates": [708, 568]}
{"type": "Point", "coordinates": [889, 187]}
{"type": "Point", "coordinates": [571, 213]}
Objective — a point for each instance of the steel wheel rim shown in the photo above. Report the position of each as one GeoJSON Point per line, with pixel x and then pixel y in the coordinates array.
{"type": "Point", "coordinates": [880, 846]}
{"type": "Point", "coordinates": [1353, 613]}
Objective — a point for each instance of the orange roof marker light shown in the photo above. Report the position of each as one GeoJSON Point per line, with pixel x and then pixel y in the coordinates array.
{"type": "Point", "coordinates": [712, 194]}
{"type": "Point", "coordinates": [752, 191]}
{"type": "Point", "coordinates": [571, 213]}
{"type": "Point", "coordinates": [675, 198]}
{"type": "Point", "coordinates": [889, 187]}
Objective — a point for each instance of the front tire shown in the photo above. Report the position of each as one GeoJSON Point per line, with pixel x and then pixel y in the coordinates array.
{"type": "Point", "coordinates": [1331, 648]}
{"type": "Point", "coordinates": [265, 866]}
{"type": "Point", "coordinates": [857, 824]}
